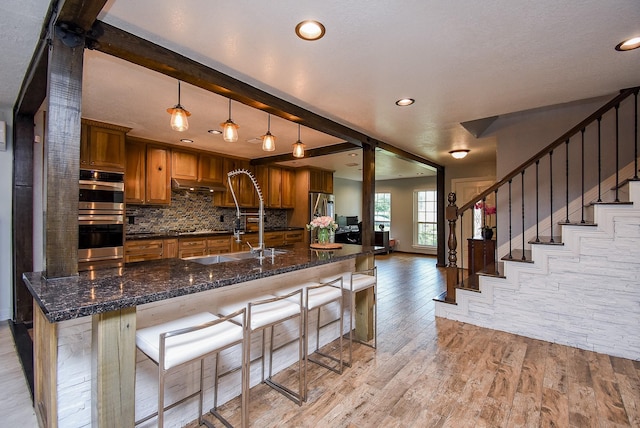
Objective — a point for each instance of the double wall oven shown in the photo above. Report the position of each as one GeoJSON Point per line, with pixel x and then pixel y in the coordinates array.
{"type": "Point", "coordinates": [100, 220]}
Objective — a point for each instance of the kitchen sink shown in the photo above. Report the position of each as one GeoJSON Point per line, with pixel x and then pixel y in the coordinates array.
{"type": "Point", "coordinates": [230, 257]}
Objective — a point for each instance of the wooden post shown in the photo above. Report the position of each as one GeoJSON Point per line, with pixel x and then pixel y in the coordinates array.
{"type": "Point", "coordinates": [452, 268]}
{"type": "Point", "coordinates": [45, 350]}
{"type": "Point", "coordinates": [113, 345]}
{"type": "Point", "coordinates": [364, 304]}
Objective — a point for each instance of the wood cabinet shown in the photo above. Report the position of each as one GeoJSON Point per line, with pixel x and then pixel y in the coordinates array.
{"type": "Point", "coordinates": [190, 247]}
{"type": "Point", "coordinates": [293, 236]}
{"type": "Point", "coordinates": [147, 173]}
{"type": "Point", "coordinates": [147, 249]}
{"type": "Point", "coordinates": [251, 238]}
{"type": "Point", "coordinates": [219, 245]}
{"type": "Point", "coordinates": [288, 188]}
{"type": "Point", "coordinates": [210, 169]}
{"type": "Point", "coordinates": [275, 187]}
{"type": "Point", "coordinates": [170, 248]}
{"type": "Point", "coordinates": [242, 185]}
{"type": "Point", "coordinates": [184, 164]}
{"type": "Point", "coordinates": [102, 146]}
{"type": "Point", "coordinates": [273, 239]}
{"type": "Point", "coordinates": [320, 180]}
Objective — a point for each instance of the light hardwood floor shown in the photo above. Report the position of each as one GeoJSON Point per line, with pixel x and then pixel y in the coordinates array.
{"type": "Point", "coordinates": [428, 372]}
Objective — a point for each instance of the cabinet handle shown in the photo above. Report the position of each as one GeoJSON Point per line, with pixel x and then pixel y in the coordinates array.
{"type": "Point", "coordinates": [159, 168]}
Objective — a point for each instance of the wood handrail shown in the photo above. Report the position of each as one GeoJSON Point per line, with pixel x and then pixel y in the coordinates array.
{"type": "Point", "coordinates": [624, 93]}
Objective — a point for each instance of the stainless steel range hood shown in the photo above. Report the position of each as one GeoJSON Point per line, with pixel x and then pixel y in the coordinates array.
{"type": "Point", "coordinates": [195, 186]}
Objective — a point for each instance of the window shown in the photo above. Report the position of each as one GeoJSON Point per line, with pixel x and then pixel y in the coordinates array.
{"type": "Point", "coordinates": [382, 214]}
{"type": "Point", "coordinates": [426, 230]}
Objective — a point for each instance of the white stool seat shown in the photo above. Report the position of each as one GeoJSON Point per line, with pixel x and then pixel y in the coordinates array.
{"type": "Point", "coordinates": [359, 281]}
{"type": "Point", "coordinates": [186, 347]}
{"type": "Point", "coordinates": [317, 296]}
{"type": "Point", "coordinates": [265, 314]}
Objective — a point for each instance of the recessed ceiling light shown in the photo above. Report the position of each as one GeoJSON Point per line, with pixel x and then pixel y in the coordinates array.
{"type": "Point", "coordinates": [214, 131]}
{"type": "Point", "coordinates": [459, 154]}
{"type": "Point", "coordinates": [629, 44]}
{"type": "Point", "coordinates": [353, 155]}
{"type": "Point", "coordinates": [402, 102]}
{"type": "Point", "coordinates": [310, 30]}
{"type": "Point", "coordinates": [186, 140]}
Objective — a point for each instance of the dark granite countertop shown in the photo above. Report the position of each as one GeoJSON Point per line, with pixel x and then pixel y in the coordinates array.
{"type": "Point", "coordinates": [170, 234]}
{"type": "Point", "coordinates": [106, 290]}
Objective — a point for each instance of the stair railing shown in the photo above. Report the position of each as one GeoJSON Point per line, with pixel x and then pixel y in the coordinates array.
{"type": "Point", "coordinates": [580, 185]}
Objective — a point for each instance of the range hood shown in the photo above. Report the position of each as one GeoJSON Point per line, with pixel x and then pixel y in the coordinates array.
{"type": "Point", "coordinates": [195, 186]}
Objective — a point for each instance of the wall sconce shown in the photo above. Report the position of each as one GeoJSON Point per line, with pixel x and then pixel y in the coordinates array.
{"type": "Point", "coordinates": [298, 147]}
{"type": "Point", "coordinates": [459, 154]}
{"type": "Point", "coordinates": [268, 140]}
{"type": "Point", "coordinates": [229, 129]}
{"type": "Point", "coordinates": [179, 115]}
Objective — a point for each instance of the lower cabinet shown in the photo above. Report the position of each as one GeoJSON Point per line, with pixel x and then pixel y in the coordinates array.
{"type": "Point", "coordinates": [139, 251]}
{"type": "Point", "coordinates": [191, 247]}
{"type": "Point", "coordinates": [293, 236]}
{"type": "Point", "coordinates": [218, 245]}
{"type": "Point", "coordinates": [170, 248]}
{"type": "Point", "coordinates": [274, 239]}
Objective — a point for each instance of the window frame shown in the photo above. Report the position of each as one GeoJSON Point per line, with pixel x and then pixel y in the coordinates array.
{"type": "Point", "coordinates": [377, 213]}
{"type": "Point", "coordinates": [416, 216]}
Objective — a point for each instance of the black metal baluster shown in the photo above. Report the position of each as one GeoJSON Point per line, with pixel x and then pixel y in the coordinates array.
{"type": "Point", "coordinates": [495, 255]}
{"type": "Point", "coordinates": [522, 198]}
{"type": "Point", "coordinates": [510, 230]}
{"type": "Point", "coordinates": [537, 205]}
{"type": "Point", "coordinates": [582, 176]}
{"type": "Point", "coordinates": [617, 150]}
{"type": "Point", "coordinates": [566, 145]}
{"type": "Point", "coordinates": [599, 159]}
{"type": "Point", "coordinates": [551, 194]}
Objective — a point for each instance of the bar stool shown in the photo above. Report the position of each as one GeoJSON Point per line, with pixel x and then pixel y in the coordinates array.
{"type": "Point", "coordinates": [354, 282]}
{"type": "Point", "coordinates": [175, 343]}
{"type": "Point", "coordinates": [266, 312]}
{"type": "Point", "coordinates": [315, 296]}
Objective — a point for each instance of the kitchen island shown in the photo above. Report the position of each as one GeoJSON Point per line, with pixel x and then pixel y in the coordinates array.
{"type": "Point", "coordinates": [85, 325]}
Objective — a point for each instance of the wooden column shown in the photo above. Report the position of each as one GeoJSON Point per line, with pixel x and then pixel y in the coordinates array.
{"type": "Point", "coordinates": [452, 268]}
{"type": "Point", "coordinates": [63, 158]}
{"type": "Point", "coordinates": [113, 348]}
{"type": "Point", "coordinates": [45, 350]}
{"type": "Point", "coordinates": [365, 299]}
{"type": "Point", "coordinates": [368, 193]}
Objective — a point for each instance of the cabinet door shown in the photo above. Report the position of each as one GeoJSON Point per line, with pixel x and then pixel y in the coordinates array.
{"type": "Point", "coordinates": [316, 180]}
{"type": "Point", "coordinates": [191, 247]}
{"type": "Point", "coordinates": [291, 237]}
{"type": "Point", "coordinates": [84, 146]}
{"type": "Point", "coordinates": [242, 185]}
{"type": "Point", "coordinates": [288, 188]}
{"type": "Point", "coordinates": [218, 245]}
{"type": "Point", "coordinates": [210, 170]}
{"type": "Point", "coordinates": [170, 248]}
{"type": "Point", "coordinates": [262, 175]}
{"type": "Point", "coordinates": [106, 148]}
{"type": "Point", "coordinates": [327, 182]}
{"type": "Point", "coordinates": [273, 239]}
{"type": "Point", "coordinates": [158, 178]}
{"type": "Point", "coordinates": [134, 176]}
{"type": "Point", "coordinates": [275, 187]}
{"type": "Point", "coordinates": [184, 165]}
{"type": "Point", "coordinates": [138, 251]}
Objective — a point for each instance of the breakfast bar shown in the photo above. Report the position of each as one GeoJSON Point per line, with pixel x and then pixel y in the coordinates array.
{"type": "Point", "coordinates": [87, 372]}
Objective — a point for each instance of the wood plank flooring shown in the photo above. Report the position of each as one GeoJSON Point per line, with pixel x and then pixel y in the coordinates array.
{"type": "Point", "coordinates": [426, 372]}
{"type": "Point", "coordinates": [430, 372]}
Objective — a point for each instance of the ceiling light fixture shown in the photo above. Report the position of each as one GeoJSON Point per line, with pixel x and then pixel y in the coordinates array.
{"type": "Point", "coordinates": [310, 30]}
{"type": "Point", "coordinates": [179, 115]}
{"type": "Point", "coordinates": [214, 131]}
{"type": "Point", "coordinates": [298, 147]}
{"type": "Point", "coordinates": [229, 129]}
{"type": "Point", "coordinates": [186, 140]}
{"type": "Point", "coordinates": [459, 154]}
{"type": "Point", "coordinates": [403, 102]}
{"type": "Point", "coordinates": [629, 44]}
{"type": "Point", "coordinates": [268, 140]}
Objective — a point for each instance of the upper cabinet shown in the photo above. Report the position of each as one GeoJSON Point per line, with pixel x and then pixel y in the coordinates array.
{"type": "Point", "coordinates": [210, 169]}
{"type": "Point", "coordinates": [102, 146]}
{"type": "Point", "coordinates": [320, 180]}
{"type": "Point", "coordinates": [278, 186]}
{"type": "Point", "coordinates": [148, 173]}
{"type": "Point", "coordinates": [184, 164]}
{"type": "Point", "coordinates": [202, 167]}
{"type": "Point", "coordinates": [288, 188]}
{"type": "Point", "coordinates": [242, 185]}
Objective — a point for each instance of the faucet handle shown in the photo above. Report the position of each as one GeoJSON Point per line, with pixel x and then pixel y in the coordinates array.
{"type": "Point", "coordinates": [250, 246]}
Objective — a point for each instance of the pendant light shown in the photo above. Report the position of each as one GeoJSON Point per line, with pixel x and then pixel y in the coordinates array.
{"type": "Point", "coordinates": [268, 140]}
{"type": "Point", "coordinates": [298, 147]}
{"type": "Point", "coordinates": [229, 129]}
{"type": "Point", "coordinates": [179, 115]}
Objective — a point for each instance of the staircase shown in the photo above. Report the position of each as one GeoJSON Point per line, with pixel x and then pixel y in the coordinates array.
{"type": "Point", "coordinates": [579, 285]}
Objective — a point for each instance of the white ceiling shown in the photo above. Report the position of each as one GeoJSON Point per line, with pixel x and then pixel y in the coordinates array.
{"type": "Point", "coordinates": [461, 60]}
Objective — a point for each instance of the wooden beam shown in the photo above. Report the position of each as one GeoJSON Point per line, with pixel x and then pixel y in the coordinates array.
{"type": "Point", "coordinates": [81, 14]}
{"type": "Point", "coordinates": [319, 151]}
{"type": "Point", "coordinates": [368, 194]}
{"type": "Point", "coordinates": [121, 44]}
{"type": "Point", "coordinates": [408, 156]}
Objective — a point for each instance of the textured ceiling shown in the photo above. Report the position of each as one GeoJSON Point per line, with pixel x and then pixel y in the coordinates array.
{"type": "Point", "coordinates": [462, 60]}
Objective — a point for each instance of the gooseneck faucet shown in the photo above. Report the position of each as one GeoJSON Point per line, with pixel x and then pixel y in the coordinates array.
{"type": "Point", "coordinates": [236, 233]}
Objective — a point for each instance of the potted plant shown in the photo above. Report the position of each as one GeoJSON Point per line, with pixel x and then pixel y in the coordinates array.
{"type": "Point", "coordinates": [325, 226]}
{"type": "Point", "coordinates": [487, 220]}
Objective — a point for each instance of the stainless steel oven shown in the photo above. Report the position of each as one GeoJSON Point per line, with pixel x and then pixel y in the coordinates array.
{"type": "Point", "coordinates": [100, 220]}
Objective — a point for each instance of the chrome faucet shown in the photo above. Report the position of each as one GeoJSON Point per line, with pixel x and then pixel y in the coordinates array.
{"type": "Point", "coordinates": [260, 248]}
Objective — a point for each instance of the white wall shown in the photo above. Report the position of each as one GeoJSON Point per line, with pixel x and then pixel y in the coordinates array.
{"type": "Point", "coordinates": [348, 197]}
{"type": "Point", "coordinates": [6, 234]}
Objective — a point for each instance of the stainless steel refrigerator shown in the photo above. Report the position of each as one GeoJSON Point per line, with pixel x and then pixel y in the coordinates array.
{"type": "Point", "coordinates": [321, 204]}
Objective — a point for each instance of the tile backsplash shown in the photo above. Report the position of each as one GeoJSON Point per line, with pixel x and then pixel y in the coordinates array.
{"type": "Point", "coordinates": [192, 211]}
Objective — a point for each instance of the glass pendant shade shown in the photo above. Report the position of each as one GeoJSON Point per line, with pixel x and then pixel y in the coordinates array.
{"type": "Point", "coordinates": [179, 115]}
{"type": "Point", "coordinates": [298, 147]}
{"type": "Point", "coordinates": [268, 140]}
{"type": "Point", "coordinates": [229, 129]}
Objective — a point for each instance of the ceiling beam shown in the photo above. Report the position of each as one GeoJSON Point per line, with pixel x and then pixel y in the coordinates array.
{"type": "Point", "coordinates": [81, 13]}
{"type": "Point", "coordinates": [311, 153]}
{"type": "Point", "coordinates": [121, 44]}
{"type": "Point", "coordinates": [408, 156]}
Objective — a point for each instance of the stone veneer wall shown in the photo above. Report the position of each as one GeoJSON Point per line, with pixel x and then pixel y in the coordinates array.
{"type": "Point", "coordinates": [192, 211]}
